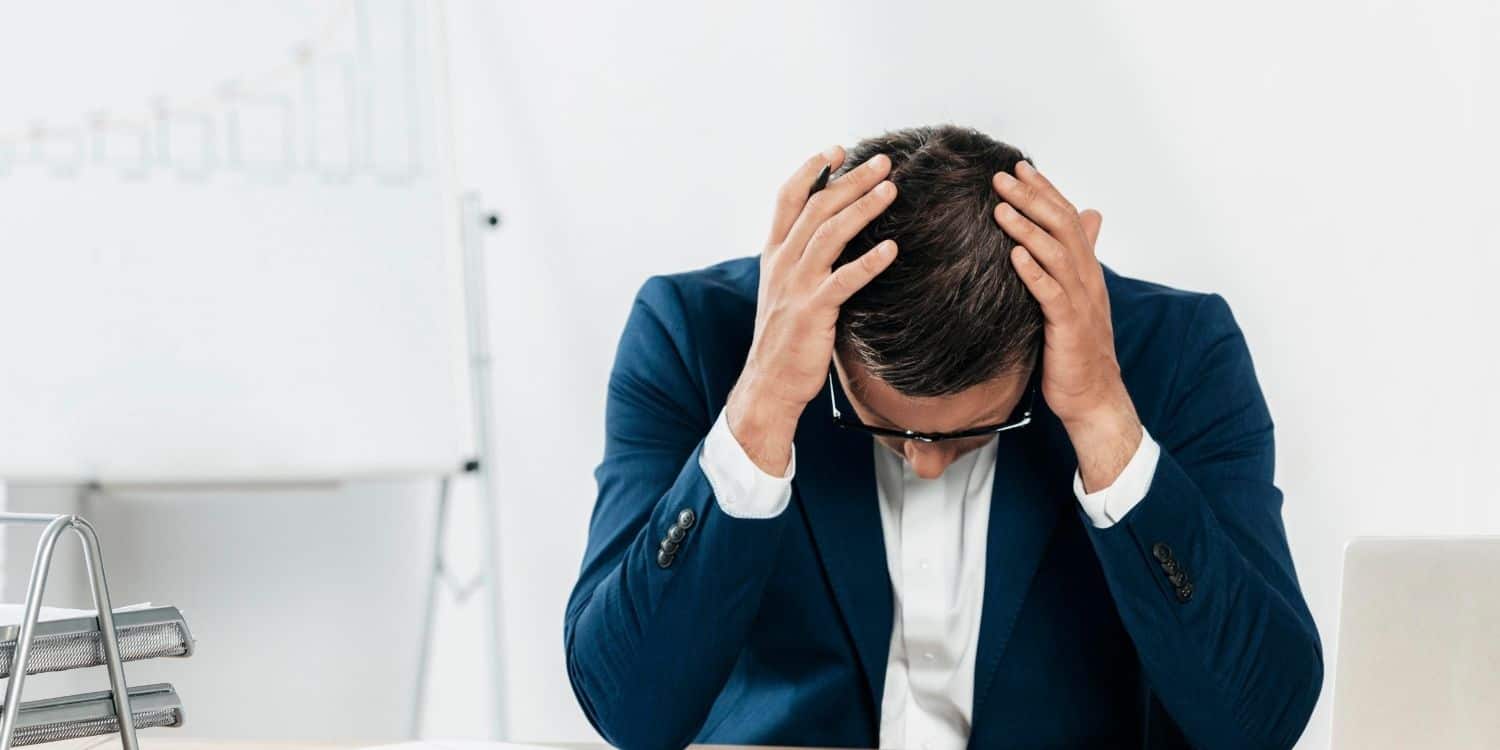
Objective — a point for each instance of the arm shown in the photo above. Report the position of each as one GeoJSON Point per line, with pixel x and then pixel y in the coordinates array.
{"type": "Point", "coordinates": [649, 647]}
{"type": "Point", "coordinates": [671, 582]}
{"type": "Point", "coordinates": [1229, 646]}
{"type": "Point", "coordinates": [1199, 569]}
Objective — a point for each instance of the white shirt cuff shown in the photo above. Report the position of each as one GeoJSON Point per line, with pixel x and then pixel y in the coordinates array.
{"type": "Point", "coordinates": [742, 489]}
{"type": "Point", "coordinates": [1108, 505]}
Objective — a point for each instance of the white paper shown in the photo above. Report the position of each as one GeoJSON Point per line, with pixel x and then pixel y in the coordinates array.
{"type": "Point", "coordinates": [458, 745]}
{"type": "Point", "coordinates": [10, 614]}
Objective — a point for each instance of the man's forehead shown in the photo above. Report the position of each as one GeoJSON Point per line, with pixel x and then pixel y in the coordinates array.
{"type": "Point", "coordinates": [865, 385]}
{"type": "Point", "coordinates": [980, 404]}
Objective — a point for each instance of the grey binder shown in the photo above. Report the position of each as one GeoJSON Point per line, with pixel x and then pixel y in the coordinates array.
{"type": "Point", "coordinates": [74, 642]}
{"type": "Point", "coordinates": [92, 714]}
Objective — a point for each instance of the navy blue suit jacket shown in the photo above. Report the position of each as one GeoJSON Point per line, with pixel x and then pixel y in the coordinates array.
{"type": "Point", "coordinates": [776, 631]}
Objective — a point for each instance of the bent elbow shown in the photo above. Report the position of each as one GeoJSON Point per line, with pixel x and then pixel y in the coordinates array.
{"type": "Point", "coordinates": [606, 703]}
{"type": "Point", "coordinates": [1301, 698]}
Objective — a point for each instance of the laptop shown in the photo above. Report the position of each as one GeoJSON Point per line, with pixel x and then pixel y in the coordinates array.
{"type": "Point", "coordinates": [1419, 644]}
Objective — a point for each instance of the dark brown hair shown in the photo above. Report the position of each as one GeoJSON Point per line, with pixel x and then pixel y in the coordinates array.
{"type": "Point", "coordinates": [950, 312]}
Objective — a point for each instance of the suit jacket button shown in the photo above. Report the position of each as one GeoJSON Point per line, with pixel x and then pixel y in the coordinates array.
{"type": "Point", "coordinates": [1178, 579]}
{"type": "Point", "coordinates": [663, 558]}
{"type": "Point", "coordinates": [1161, 551]}
{"type": "Point", "coordinates": [686, 518]}
{"type": "Point", "coordinates": [675, 533]}
{"type": "Point", "coordinates": [668, 546]}
{"type": "Point", "coordinates": [1185, 592]}
{"type": "Point", "coordinates": [1171, 567]}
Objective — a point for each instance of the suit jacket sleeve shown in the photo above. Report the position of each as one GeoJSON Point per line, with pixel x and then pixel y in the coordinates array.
{"type": "Point", "coordinates": [649, 647]}
{"type": "Point", "coordinates": [1200, 570]}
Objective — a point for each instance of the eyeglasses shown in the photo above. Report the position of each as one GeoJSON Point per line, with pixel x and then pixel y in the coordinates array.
{"type": "Point", "coordinates": [1015, 421]}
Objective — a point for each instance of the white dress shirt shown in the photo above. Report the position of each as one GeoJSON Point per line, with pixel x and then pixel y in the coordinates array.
{"type": "Point", "coordinates": [935, 533]}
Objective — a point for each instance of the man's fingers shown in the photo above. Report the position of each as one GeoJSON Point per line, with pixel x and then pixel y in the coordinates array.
{"type": "Point", "coordinates": [1041, 246]}
{"type": "Point", "coordinates": [1029, 174]}
{"type": "Point", "coordinates": [1092, 272]}
{"type": "Point", "coordinates": [829, 239]}
{"type": "Point", "coordinates": [854, 275]}
{"type": "Point", "coordinates": [1091, 221]}
{"type": "Point", "coordinates": [793, 194]}
{"type": "Point", "coordinates": [1053, 298]}
{"type": "Point", "coordinates": [838, 195]}
{"type": "Point", "coordinates": [1058, 218]}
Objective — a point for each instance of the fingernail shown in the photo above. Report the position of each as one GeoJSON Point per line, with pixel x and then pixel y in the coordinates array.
{"type": "Point", "coordinates": [887, 248]}
{"type": "Point", "coordinates": [878, 161]}
{"type": "Point", "coordinates": [831, 153]}
{"type": "Point", "coordinates": [1025, 166]}
{"type": "Point", "coordinates": [885, 189]}
{"type": "Point", "coordinates": [1004, 178]}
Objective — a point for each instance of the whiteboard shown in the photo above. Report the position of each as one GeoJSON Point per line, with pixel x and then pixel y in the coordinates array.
{"type": "Point", "coordinates": [228, 243]}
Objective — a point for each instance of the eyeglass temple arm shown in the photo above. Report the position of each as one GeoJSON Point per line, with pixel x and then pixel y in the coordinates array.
{"type": "Point", "coordinates": [832, 402]}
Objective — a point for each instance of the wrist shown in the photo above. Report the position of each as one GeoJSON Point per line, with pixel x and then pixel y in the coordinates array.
{"type": "Point", "coordinates": [762, 425]}
{"type": "Point", "coordinates": [1104, 439]}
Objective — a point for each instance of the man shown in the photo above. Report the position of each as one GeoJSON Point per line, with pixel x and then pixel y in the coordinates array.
{"type": "Point", "coordinates": [926, 474]}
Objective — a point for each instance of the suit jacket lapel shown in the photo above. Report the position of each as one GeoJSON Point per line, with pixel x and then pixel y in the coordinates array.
{"type": "Point", "coordinates": [1024, 509]}
{"type": "Point", "coordinates": [835, 485]}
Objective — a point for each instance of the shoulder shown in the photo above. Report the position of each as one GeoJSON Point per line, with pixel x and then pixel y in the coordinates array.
{"type": "Point", "coordinates": [1139, 302]}
{"type": "Point", "coordinates": [724, 288]}
{"type": "Point", "coordinates": [704, 316]}
{"type": "Point", "coordinates": [1165, 336]}
{"type": "Point", "coordinates": [1144, 310]}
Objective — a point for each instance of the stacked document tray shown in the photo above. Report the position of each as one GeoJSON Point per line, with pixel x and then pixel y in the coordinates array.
{"type": "Point", "coordinates": [92, 714]}
{"type": "Point", "coordinates": [72, 642]}
{"type": "Point", "coordinates": [74, 639]}
{"type": "Point", "coordinates": [70, 639]}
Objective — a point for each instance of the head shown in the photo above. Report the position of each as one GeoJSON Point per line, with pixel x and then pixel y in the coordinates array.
{"type": "Point", "coordinates": [945, 338]}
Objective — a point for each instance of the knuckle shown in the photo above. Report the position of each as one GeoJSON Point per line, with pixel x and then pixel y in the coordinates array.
{"type": "Point", "coordinates": [840, 284]}
{"type": "Point", "coordinates": [1025, 192]}
{"type": "Point", "coordinates": [824, 233]}
{"type": "Point", "coordinates": [787, 195]}
{"type": "Point", "coordinates": [819, 204]}
{"type": "Point", "coordinates": [874, 201]}
{"type": "Point", "coordinates": [1064, 263]}
{"type": "Point", "coordinates": [867, 206]}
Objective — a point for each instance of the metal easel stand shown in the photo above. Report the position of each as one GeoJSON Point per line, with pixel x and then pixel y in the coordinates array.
{"type": "Point", "coordinates": [482, 468]}
{"type": "Point", "coordinates": [55, 525]}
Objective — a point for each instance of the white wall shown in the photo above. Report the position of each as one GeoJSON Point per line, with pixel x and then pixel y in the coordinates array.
{"type": "Point", "coordinates": [1328, 169]}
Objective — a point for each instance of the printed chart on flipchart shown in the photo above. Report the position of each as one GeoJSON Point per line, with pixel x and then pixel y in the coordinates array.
{"type": "Point", "coordinates": [228, 243]}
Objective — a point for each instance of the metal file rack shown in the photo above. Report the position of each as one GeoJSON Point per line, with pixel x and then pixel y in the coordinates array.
{"type": "Point", "coordinates": [72, 643]}
{"type": "Point", "coordinates": [92, 714]}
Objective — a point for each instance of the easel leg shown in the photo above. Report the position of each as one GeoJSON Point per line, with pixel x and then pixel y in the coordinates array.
{"type": "Point", "coordinates": [429, 613]}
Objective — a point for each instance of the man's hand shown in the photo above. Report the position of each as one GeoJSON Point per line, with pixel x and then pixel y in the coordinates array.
{"type": "Point", "coordinates": [1080, 373]}
{"type": "Point", "coordinates": [799, 299]}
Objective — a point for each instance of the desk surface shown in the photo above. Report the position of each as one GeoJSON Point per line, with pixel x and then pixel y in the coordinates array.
{"type": "Point", "coordinates": [149, 742]}
{"type": "Point", "coordinates": [154, 742]}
